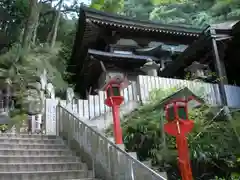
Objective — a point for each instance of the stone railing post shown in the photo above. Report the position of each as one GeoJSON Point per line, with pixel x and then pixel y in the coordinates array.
{"type": "Point", "coordinates": [70, 96]}
{"type": "Point", "coordinates": [51, 105]}
{"type": "Point", "coordinates": [50, 91]}
{"type": "Point", "coordinates": [43, 81]}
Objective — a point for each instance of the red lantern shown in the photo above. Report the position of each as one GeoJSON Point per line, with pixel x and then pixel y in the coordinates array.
{"type": "Point", "coordinates": [179, 125]}
{"type": "Point", "coordinates": [177, 117]}
{"type": "Point", "coordinates": [113, 94]}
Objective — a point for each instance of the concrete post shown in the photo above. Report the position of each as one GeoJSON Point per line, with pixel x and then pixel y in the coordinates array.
{"type": "Point", "coordinates": [70, 96]}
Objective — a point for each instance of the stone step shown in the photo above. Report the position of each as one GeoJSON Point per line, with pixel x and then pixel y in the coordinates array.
{"type": "Point", "coordinates": [32, 146]}
{"type": "Point", "coordinates": [35, 136]}
{"type": "Point", "coordinates": [13, 167]}
{"type": "Point", "coordinates": [43, 159]}
{"type": "Point", "coordinates": [34, 152]}
{"type": "Point", "coordinates": [19, 140]}
{"type": "Point", "coordinates": [45, 175]}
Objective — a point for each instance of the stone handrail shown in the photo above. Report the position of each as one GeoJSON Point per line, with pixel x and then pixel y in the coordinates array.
{"type": "Point", "coordinates": [108, 161]}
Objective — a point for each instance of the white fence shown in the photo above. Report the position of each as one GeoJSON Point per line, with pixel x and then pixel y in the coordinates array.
{"type": "Point", "coordinates": [94, 106]}
{"type": "Point", "coordinates": [233, 96]}
{"type": "Point", "coordinates": [206, 91]}
{"type": "Point", "coordinates": [209, 92]}
{"type": "Point", "coordinates": [88, 109]}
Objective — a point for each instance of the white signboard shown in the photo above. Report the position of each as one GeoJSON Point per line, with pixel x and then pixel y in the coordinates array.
{"type": "Point", "coordinates": [50, 116]}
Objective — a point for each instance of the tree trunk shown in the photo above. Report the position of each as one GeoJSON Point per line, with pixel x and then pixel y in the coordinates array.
{"type": "Point", "coordinates": [20, 37]}
{"type": "Point", "coordinates": [37, 23]}
{"type": "Point", "coordinates": [29, 26]}
{"type": "Point", "coordinates": [50, 33]}
{"type": "Point", "coordinates": [55, 25]}
{"type": "Point", "coordinates": [35, 34]}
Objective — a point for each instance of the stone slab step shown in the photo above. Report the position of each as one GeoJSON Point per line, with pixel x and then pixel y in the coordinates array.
{"type": "Point", "coordinates": [18, 140]}
{"type": "Point", "coordinates": [34, 152]}
{"type": "Point", "coordinates": [13, 167]}
{"type": "Point", "coordinates": [35, 136]}
{"type": "Point", "coordinates": [19, 159]}
{"type": "Point", "coordinates": [32, 146]}
{"type": "Point", "coordinates": [45, 175]}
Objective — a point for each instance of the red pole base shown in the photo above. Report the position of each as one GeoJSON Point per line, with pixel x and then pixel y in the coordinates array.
{"type": "Point", "coordinates": [184, 161]}
{"type": "Point", "coordinates": [117, 125]}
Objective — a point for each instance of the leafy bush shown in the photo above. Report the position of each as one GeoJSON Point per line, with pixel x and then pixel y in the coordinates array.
{"type": "Point", "coordinates": [21, 74]}
{"type": "Point", "coordinates": [3, 127]}
{"type": "Point", "coordinates": [18, 117]}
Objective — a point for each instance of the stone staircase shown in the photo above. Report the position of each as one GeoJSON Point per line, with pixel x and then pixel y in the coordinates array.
{"type": "Point", "coordinates": [39, 157]}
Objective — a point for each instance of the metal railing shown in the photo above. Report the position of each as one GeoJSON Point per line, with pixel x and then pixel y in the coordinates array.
{"type": "Point", "coordinates": [108, 160]}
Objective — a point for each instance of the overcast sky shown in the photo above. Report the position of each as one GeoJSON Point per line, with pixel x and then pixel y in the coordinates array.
{"type": "Point", "coordinates": [87, 2]}
{"type": "Point", "coordinates": [69, 2]}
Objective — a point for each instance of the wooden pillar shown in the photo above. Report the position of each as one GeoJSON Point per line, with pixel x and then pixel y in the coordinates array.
{"type": "Point", "coordinates": [221, 50]}
{"type": "Point", "coordinates": [220, 67]}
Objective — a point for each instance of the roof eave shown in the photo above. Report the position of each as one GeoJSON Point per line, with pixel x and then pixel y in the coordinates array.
{"type": "Point", "coordinates": [236, 28]}
{"type": "Point", "coordinates": [122, 56]}
{"type": "Point", "coordinates": [102, 18]}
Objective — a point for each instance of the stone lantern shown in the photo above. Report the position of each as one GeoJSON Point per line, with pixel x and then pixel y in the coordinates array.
{"type": "Point", "coordinates": [33, 102]}
{"type": "Point", "coordinates": [197, 70]}
{"type": "Point", "coordinates": [150, 67]}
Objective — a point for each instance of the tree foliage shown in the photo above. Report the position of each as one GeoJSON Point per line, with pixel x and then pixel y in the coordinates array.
{"type": "Point", "coordinates": [18, 18]}
{"type": "Point", "coordinates": [111, 6]}
{"type": "Point", "coordinates": [191, 12]}
{"type": "Point", "coordinates": [25, 50]}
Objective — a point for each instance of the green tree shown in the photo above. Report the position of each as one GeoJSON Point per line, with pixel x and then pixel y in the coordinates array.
{"type": "Point", "coordinates": [113, 6]}
{"type": "Point", "coordinates": [54, 29]}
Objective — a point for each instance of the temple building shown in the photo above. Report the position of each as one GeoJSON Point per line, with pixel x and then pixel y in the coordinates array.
{"type": "Point", "coordinates": [216, 52]}
{"type": "Point", "coordinates": [215, 47]}
{"type": "Point", "coordinates": [106, 45]}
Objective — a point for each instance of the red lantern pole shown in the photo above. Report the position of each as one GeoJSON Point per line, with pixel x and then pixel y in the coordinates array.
{"type": "Point", "coordinates": [114, 100]}
{"type": "Point", "coordinates": [179, 127]}
{"type": "Point", "coordinates": [117, 125]}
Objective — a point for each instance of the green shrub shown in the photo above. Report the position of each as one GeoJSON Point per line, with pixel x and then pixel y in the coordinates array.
{"type": "Point", "coordinates": [3, 127]}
